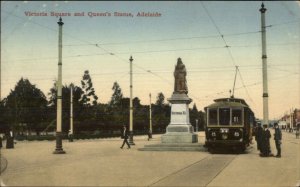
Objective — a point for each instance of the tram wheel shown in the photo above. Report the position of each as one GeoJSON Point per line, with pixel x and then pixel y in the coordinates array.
{"type": "Point", "coordinates": [211, 150]}
{"type": "Point", "coordinates": [242, 148]}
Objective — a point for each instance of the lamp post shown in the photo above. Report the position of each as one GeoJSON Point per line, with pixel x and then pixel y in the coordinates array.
{"type": "Point", "coordinates": [196, 125]}
{"type": "Point", "coordinates": [59, 148]}
{"type": "Point", "coordinates": [264, 67]}
{"type": "Point", "coordinates": [150, 118]}
{"type": "Point", "coordinates": [71, 114]}
{"type": "Point", "coordinates": [131, 107]}
{"type": "Point", "coordinates": [291, 119]}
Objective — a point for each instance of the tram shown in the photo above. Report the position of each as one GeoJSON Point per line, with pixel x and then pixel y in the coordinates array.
{"type": "Point", "coordinates": [229, 124]}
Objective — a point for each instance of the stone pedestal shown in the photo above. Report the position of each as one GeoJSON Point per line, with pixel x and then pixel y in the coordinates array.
{"type": "Point", "coordinates": [180, 130]}
{"type": "Point", "coordinates": [59, 148]}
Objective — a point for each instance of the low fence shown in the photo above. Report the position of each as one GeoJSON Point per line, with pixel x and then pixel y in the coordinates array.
{"type": "Point", "coordinates": [81, 135]}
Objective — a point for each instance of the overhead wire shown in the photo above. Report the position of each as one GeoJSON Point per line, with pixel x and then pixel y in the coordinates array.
{"type": "Point", "coordinates": [168, 50]}
{"type": "Point", "coordinates": [284, 23]}
{"type": "Point", "coordinates": [205, 70]}
{"type": "Point", "coordinates": [11, 12]}
{"type": "Point", "coordinates": [229, 51]}
{"type": "Point", "coordinates": [252, 84]}
{"type": "Point", "coordinates": [108, 52]}
{"type": "Point", "coordinates": [74, 37]}
{"type": "Point", "coordinates": [283, 70]}
{"type": "Point", "coordinates": [168, 39]}
{"type": "Point", "coordinates": [19, 25]}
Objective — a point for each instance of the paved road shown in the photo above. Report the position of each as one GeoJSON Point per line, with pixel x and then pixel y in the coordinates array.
{"type": "Point", "coordinates": [3, 163]}
{"type": "Point", "coordinates": [103, 163]}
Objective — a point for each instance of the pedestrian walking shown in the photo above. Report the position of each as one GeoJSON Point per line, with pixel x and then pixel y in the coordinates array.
{"type": "Point", "coordinates": [125, 137]}
{"type": "Point", "coordinates": [258, 137]}
{"type": "Point", "coordinates": [277, 138]}
{"type": "Point", "coordinates": [266, 135]}
{"type": "Point", "coordinates": [10, 140]}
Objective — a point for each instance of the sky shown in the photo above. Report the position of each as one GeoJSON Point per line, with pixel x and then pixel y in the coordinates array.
{"type": "Point", "coordinates": [191, 30]}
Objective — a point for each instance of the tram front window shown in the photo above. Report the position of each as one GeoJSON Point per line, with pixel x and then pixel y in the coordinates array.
{"type": "Point", "coordinates": [213, 117]}
{"type": "Point", "coordinates": [236, 116]}
{"type": "Point", "coordinates": [224, 114]}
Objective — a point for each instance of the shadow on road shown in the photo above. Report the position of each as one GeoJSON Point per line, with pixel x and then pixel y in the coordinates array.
{"type": "Point", "coordinates": [227, 150]}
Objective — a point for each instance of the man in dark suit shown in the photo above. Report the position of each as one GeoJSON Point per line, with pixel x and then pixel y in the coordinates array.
{"type": "Point", "coordinates": [266, 135]}
{"type": "Point", "coordinates": [10, 140]}
{"type": "Point", "coordinates": [277, 138]}
{"type": "Point", "coordinates": [258, 137]}
{"type": "Point", "coordinates": [125, 137]}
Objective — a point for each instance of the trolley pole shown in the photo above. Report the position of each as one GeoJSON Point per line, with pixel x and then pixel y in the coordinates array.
{"type": "Point", "coordinates": [131, 107]}
{"type": "Point", "coordinates": [264, 67]}
{"type": "Point", "coordinates": [150, 118]}
{"type": "Point", "coordinates": [59, 148]}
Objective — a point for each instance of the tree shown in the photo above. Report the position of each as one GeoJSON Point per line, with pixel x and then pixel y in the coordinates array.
{"type": "Point", "coordinates": [89, 95]}
{"type": "Point", "coordinates": [136, 102]}
{"type": "Point", "coordinates": [117, 95]}
{"type": "Point", "coordinates": [141, 115]}
{"type": "Point", "coordinates": [160, 99]}
{"type": "Point", "coordinates": [26, 105]}
{"type": "Point", "coordinates": [161, 113]}
{"type": "Point", "coordinates": [4, 127]}
{"type": "Point", "coordinates": [202, 120]}
{"type": "Point", "coordinates": [194, 114]}
{"type": "Point", "coordinates": [77, 105]}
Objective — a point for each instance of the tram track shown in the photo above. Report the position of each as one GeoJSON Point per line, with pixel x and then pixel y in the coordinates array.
{"type": "Point", "coordinates": [153, 184]}
{"type": "Point", "coordinates": [221, 171]}
{"type": "Point", "coordinates": [200, 173]}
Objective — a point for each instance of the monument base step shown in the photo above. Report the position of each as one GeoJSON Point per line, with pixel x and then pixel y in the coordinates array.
{"type": "Point", "coordinates": [179, 137]}
{"type": "Point", "coordinates": [173, 147]}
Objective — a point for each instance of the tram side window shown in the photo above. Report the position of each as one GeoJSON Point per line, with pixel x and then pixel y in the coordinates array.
{"type": "Point", "coordinates": [213, 117]}
{"type": "Point", "coordinates": [236, 116]}
{"type": "Point", "coordinates": [224, 116]}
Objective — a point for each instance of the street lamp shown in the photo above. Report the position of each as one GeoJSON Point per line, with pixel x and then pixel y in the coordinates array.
{"type": "Point", "coordinates": [150, 118]}
{"type": "Point", "coordinates": [59, 148]}
{"type": "Point", "coordinates": [131, 107]}
{"type": "Point", "coordinates": [71, 114]}
{"type": "Point", "coordinates": [264, 67]}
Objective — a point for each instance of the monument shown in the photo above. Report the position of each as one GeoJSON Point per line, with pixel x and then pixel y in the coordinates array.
{"type": "Point", "coordinates": [180, 130]}
{"type": "Point", "coordinates": [179, 134]}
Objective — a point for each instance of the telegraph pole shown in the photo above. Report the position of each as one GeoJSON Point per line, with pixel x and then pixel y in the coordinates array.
{"type": "Point", "coordinates": [71, 114]}
{"type": "Point", "coordinates": [291, 119]}
{"type": "Point", "coordinates": [59, 148]}
{"type": "Point", "coordinates": [131, 107]}
{"type": "Point", "coordinates": [264, 67]}
{"type": "Point", "coordinates": [0, 67]}
{"type": "Point", "coordinates": [150, 118]}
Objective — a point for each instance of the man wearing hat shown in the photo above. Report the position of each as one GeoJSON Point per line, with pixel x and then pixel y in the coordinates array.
{"type": "Point", "coordinates": [277, 138]}
{"type": "Point", "coordinates": [125, 137]}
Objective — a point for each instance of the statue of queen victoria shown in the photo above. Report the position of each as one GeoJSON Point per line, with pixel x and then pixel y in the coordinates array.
{"type": "Point", "coordinates": [180, 78]}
